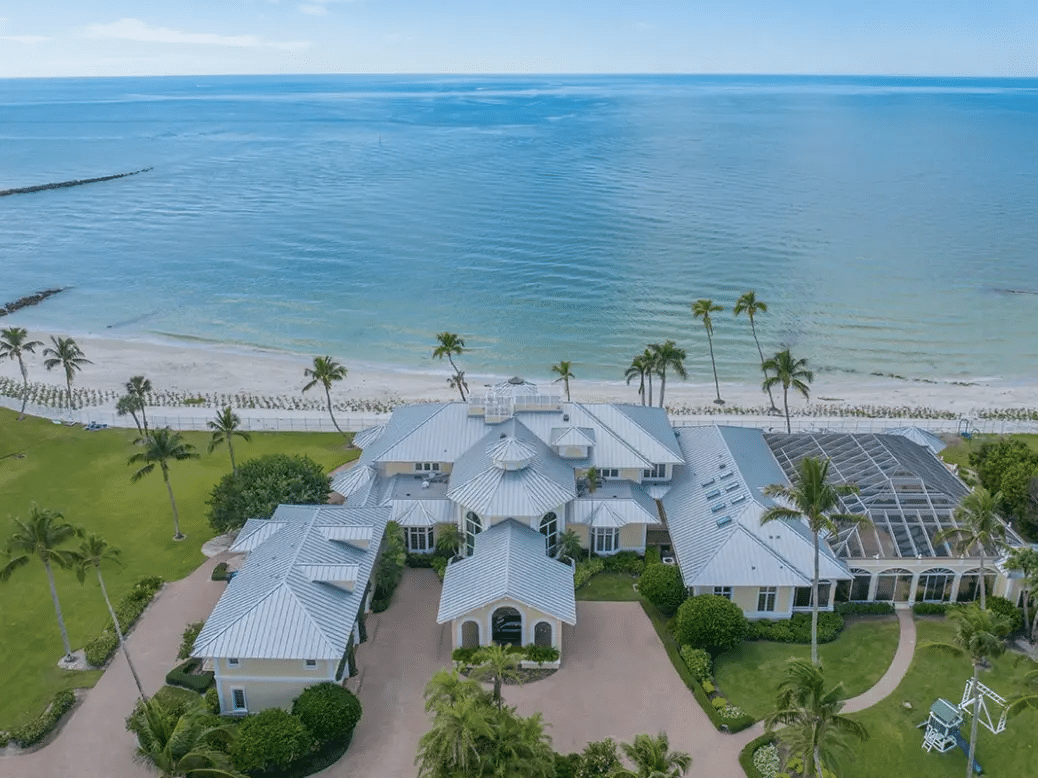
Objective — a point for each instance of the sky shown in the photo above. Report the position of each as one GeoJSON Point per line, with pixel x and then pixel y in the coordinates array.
{"type": "Point", "coordinates": [45, 38]}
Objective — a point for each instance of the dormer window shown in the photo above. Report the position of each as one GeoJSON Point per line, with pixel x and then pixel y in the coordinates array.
{"type": "Point", "coordinates": [656, 472]}
{"type": "Point", "coordinates": [426, 467]}
{"type": "Point", "coordinates": [608, 472]}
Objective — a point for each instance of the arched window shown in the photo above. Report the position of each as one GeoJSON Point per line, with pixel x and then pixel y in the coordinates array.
{"type": "Point", "coordinates": [550, 530]}
{"type": "Point", "coordinates": [542, 634]}
{"type": "Point", "coordinates": [894, 585]}
{"type": "Point", "coordinates": [470, 634]}
{"type": "Point", "coordinates": [473, 526]}
{"type": "Point", "coordinates": [507, 626]}
{"type": "Point", "coordinates": [969, 585]}
{"type": "Point", "coordinates": [935, 585]}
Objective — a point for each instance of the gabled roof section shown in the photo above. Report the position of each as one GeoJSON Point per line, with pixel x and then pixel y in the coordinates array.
{"type": "Point", "coordinates": [743, 560]}
{"type": "Point", "coordinates": [426, 432]}
{"type": "Point", "coordinates": [615, 504]}
{"type": "Point", "coordinates": [298, 594]}
{"type": "Point", "coordinates": [350, 481]}
{"type": "Point", "coordinates": [509, 562]}
{"type": "Point", "coordinates": [365, 438]}
{"type": "Point", "coordinates": [572, 436]}
{"type": "Point", "coordinates": [253, 533]}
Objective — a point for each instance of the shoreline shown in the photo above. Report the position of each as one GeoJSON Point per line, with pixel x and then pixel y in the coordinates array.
{"type": "Point", "coordinates": [197, 369]}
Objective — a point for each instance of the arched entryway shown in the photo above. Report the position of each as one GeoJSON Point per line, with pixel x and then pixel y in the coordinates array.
{"type": "Point", "coordinates": [969, 585]}
{"type": "Point", "coordinates": [506, 626]}
{"type": "Point", "coordinates": [935, 585]}
{"type": "Point", "coordinates": [542, 634]}
{"type": "Point", "coordinates": [470, 634]}
{"type": "Point", "coordinates": [894, 585]}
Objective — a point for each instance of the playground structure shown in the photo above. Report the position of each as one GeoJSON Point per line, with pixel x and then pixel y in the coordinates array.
{"type": "Point", "coordinates": [942, 727]}
{"type": "Point", "coordinates": [966, 429]}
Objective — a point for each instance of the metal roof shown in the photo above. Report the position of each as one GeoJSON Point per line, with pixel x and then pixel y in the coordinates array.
{"type": "Point", "coordinates": [920, 436]}
{"type": "Point", "coordinates": [349, 481]}
{"type": "Point", "coordinates": [298, 594]}
{"type": "Point", "coordinates": [253, 533]}
{"type": "Point", "coordinates": [509, 561]}
{"type": "Point", "coordinates": [615, 504]}
{"type": "Point", "coordinates": [572, 436]}
{"type": "Point", "coordinates": [365, 438]}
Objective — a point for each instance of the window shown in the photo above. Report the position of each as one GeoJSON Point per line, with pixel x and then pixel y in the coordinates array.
{"type": "Point", "coordinates": [426, 466]}
{"type": "Point", "coordinates": [766, 598]}
{"type": "Point", "coordinates": [550, 530]}
{"type": "Point", "coordinates": [935, 585]}
{"type": "Point", "coordinates": [542, 634]}
{"type": "Point", "coordinates": [238, 699]}
{"type": "Point", "coordinates": [605, 540]}
{"type": "Point", "coordinates": [608, 472]}
{"type": "Point", "coordinates": [861, 585]}
{"type": "Point", "coordinates": [657, 471]}
{"type": "Point", "coordinates": [232, 663]}
{"type": "Point", "coordinates": [311, 663]}
{"type": "Point", "coordinates": [420, 539]}
{"type": "Point", "coordinates": [723, 591]}
{"type": "Point", "coordinates": [802, 596]}
{"type": "Point", "coordinates": [473, 526]}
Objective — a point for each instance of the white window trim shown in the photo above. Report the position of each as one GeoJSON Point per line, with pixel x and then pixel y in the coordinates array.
{"type": "Point", "coordinates": [599, 533]}
{"type": "Point", "coordinates": [767, 591]}
{"type": "Point", "coordinates": [723, 591]}
{"type": "Point", "coordinates": [234, 700]}
{"type": "Point", "coordinates": [427, 467]}
{"type": "Point", "coordinates": [413, 532]}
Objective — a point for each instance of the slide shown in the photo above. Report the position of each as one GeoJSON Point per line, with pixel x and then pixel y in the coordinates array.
{"type": "Point", "coordinates": [965, 746]}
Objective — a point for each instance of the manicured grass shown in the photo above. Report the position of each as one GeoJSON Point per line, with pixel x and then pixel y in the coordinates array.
{"type": "Point", "coordinates": [611, 587]}
{"type": "Point", "coordinates": [895, 745]}
{"type": "Point", "coordinates": [749, 674]}
{"type": "Point", "coordinates": [85, 476]}
{"type": "Point", "coordinates": [958, 453]}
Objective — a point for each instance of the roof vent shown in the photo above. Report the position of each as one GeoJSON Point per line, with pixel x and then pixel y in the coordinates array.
{"type": "Point", "coordinates": [565, 417]}
{"type": "Point", "coordinates": [724, 521]}
{"type": "Point", "coordinates": [425, 484]}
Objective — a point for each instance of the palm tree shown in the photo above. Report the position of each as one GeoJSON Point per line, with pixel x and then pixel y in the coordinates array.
{"type": "Point", "coordinates": [41, 536]}
{"type": "Point", "coordinates": [128, 404]}
{"type": "Point", "coordinates": [1025, 559]}
{"type": "Point", "coordinates": [498, 666]}
{"type": "Point", "coordinates": [979, 634]}
{"type": "Point", "coordinates": [668, 355]}
{"type": "Point", "coordinates": [701, 309]}
{"type": "Point", "coordinates": [325, 372]}
{"type": "Point", "coordinates": [813, 499]}
{"type": "Point", "coordinates": [565, 374]}
{"type": "Point", "coordinates": [447, 687]}
{"type": "Point", "coordinates": [1028, 698]}
{"type": "Point", "coordinates": [790, 373]}
{"type": "Point", "coordinates": [653, 758]}
{"type": "Point", "coordinates": [139, 387]}
{"type": "Point", "coordinates": [752, 306]}
{"type": "Point", "coordinates": [978, 525]}
{"type": "Point", "coordinates": [568, 547]}
{"type": "Point", "coordinates": [593, 479]}
{"type": "Point", "coordinates": [457, 381]}
{"type": "Point", "coordinates": [449, 539]}
{"type": "Point", "coordinates": [455, 744]}
{"type": "Point", "coordinates": [14, 343]}
{"type": "Point", "coordinates": [225, 427]}
{"type": "Point", "coordinates": [178, 747]}
{"type": "Point", "coordinates": [638, 369]}
{"type": "Point", "coordinates": [67, 353]}
{"type": "Point", "coordinates": [450, 345]}
{"type": "Point", "coordinates": [161, 447]}
{"type": "Point", "coordinates": [812, 727]}
{"type": "Point", "coordinates": [93, 552]}
{"type": "Point", "coordinates": [520, 747]}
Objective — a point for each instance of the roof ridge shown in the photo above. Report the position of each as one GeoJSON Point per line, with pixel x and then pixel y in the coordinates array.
{"type": "Point", "coordinates": [613, 432]}
{"type": "Point", "coordinates": [773, 552]}
{"type": "Point", "coordinates": [440, 407]}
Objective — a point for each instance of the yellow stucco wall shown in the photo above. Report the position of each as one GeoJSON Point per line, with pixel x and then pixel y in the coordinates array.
{"type": "Point", "coordinates": [269, 683]}
{"type": "Point", "coordinates": [529, 615]}
{"type": "Point", "coordinates": [275, 668]}
{"type": "Point", "coordinates": [583, 531]}
{"type": "Point", "coordinates": [632, 536]}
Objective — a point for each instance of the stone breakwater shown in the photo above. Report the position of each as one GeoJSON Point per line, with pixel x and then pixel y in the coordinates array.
{"type": "Point", "coordinates": [31, 299]}
{"type": "Point", "coordinates": [65, 184]}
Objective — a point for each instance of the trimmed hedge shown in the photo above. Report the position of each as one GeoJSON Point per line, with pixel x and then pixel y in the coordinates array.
{"type": "Point", "coordinates": [728, 725]}
{"type": "Point", "coordinates": [746, 755]}
{"type": "Point", "coordinates": [541, 653]}
{"type": "Point", "coordinates": [184, 675]}
{"type": "Point", "coordinates": [36, 730]}
{"type": "Point", "coordinates": [531, 652]}
{"type": "Point", "coordinates": [187, 639]}
{"type": "Point", "coordinates": [583, 572]}
{"type": "Point", "coordinates": [271, 739]}
{"type": "Point", "coordinates": [698, 662]}
{"type": "Point", "coordinates": [712, 622]}
{"type": "Point", "coordinates": [128, 610]}
{"type": "Point", "coordinates": [220, 572]}
{"type": "Point", "coordinates": [419, 560]}
{"type": "Point", "coordinates": [864, 608]}
{"type": "Point", "coordinates": [663, 586]}
{"type": "Point", "coordinates": [329, 711]}
{"type": "Point", "coordinates": [797, 629]}
{"type": "Point", "coordinates": [624, 562]}
{"type": "Point", "coordinates": [212, 700]}
{"type": "Point", "coordinates": [932, 608]}
{"type": "Point", "coordinates": [101, 648]}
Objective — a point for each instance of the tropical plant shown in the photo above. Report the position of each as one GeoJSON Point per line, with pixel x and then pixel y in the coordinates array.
{"type": "Point", "coordinates": [1027, 697]}
{"type": "Point", "coordinates": [261, 485]}
{"type": "Point", "coordinates": [185, 745]}
{"type": "Point", "coordinates": [449, 539]}
{"type": "Point", "coordinates": [710, 621]}
{"type": "Point", "coordinates": [328, 710]}
{"type": "Point", "coordinates": [592, 479]}
{"type": "Point", "coordinates": [783, 369]}
{"type": "Point", "coordinates": [668, 355]}
{"type": "Point", "coordinates": [14, 344]}
{"type": "Point", "coordinates": [225, 426]}
{"type": "Point", "coordinates": [447, 687]}
{"type": "Point", "coordinates": [93, 552]}
{"type": "Point", "coordinates": [160, 448]}
{"type": "Point", "coordinates": [67, 353]}
{"type": "Point", "coordinates": [1025, 560]}
{"type": "Point", "coordinates": [568, 548]}
{"type": "Point", "coordinates": [752, 306]}
{"type": "Point", "coordinates": [639, 369]}
{"type": "Point", "coordinates": [701, 309]}
{"type": "Point", "coordinates": [651, 368]}
{"type": "Point", "coordinates": [652, 758]}
{"type": "Point", "coordinates": [812, 728]}
{"type": "Point", "coordinates": [450, 345]}
{"type": "Point", "coordinates": [814, 500]}
{"type": "Point", "coordinates": [392, 559]}
{"type": "Point", "coordinates": [457, 381]}
{"type": "Point", "coordinates": [565, 374]}
{"type": "Point", "coordinates": [325, 372]}
{"type": "Point", "coordinates": [270, 741]}
{"type": "Point", "coordinates": [128, 404]}
{"type": "Point", "coordinates": [139, 387]}
{"type": "Point", "coordinates": [498, 666]}
{"type": "Point", "coordinates": [520, 747]}
{"type": "Point", "coordinates": [42, 537]}
{"type": "Point", "coordinates": [662, 586]}
{"type": "Point", "coordinates": [598, 759]}
{"type": "Point", "coordinates": [457, 741]}
{"type": "Point", "coordinates": [978, 525]}
{"type": "Point", "coordinates": [979, 635]}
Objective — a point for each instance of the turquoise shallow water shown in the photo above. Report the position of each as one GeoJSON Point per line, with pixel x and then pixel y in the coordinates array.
{"type": "Point", "coordinates": [889, 223]}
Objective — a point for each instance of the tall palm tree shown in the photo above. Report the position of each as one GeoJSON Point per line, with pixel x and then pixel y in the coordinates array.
{"type": "Point", "coordinates": [451, 344]}
{"type": "Point", "coordinates": [457, 740]}
{"type": "Point", "coordinates": [184, 746]}
{"type": "Point", "coordinates": [161, 447]}
{"type": "Point", "coordinates": [497, 665]}
{"type": "Point", "coordinates": [752, 306]}
{"type": "Point", "coordinates": [790, 373]}
{"type": "Point", "coordinates": [14, 344]}
{"type": "Point", "coordinates": [651, 368]}
{"type": "Point", "coordinates": [128, 404]}
{"type": "Point", "coordinates": [638, 369]}
{"type": "Point", "coordinates": [325, 372]}
{"type": "Point", "coordinates": [978, 525]}
{"type": "Point", "coordinates": [93, 552]}
{"type": "Point", "coordinates": [653, 758]}
{"type": "Point", "coordinates": [457, 381]}
{"type": "Point", "coordinates": [668, 355]}
{"type": "Point", "coordinates": [979, 634]}
{"type": "Point", "coordinates": [1025, 559]}
{"type": "Point", "coordinates": [225, 426]}
{"type": "Point", "coordinates": [565, 374]}
{"type": "Point", "coordinates": [139, 387]}
{"type": "Point", "coordinates": [701, 309]}
{"type": "Point", "coordinates": [812, 727]}
{"type": "Point", "coordinates": [42, 537]}
{"type": "Point", "coordinates": [67, 353]}
{"type": "Point", "coordinates": [815, 500]}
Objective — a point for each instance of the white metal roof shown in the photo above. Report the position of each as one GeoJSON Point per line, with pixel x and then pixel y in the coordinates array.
{"type": "Point", "coordinates": [365, 438]}
{"type": "Point", "coordinates": [572, 436]}
{"type": "Point", "coordinates": [509, 562]}
{"type": "Point", "coordinates": [349, 481]}
{"type": "Point", "coordinates": [615, 504]}
{"type": "Point", "coordinates": [253, 533]}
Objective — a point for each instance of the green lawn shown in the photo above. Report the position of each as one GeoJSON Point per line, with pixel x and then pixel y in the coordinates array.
{"type": "Point", "coordinates": [749, 674]}
{"type": "Point", "coordinates": [959, 453]}
{"type": "Point", "coordinates": [85, 476]}
{"type": "Point", "coordinates": [611, 587]}
{"type": "Point", "coordinates": [895, 745]}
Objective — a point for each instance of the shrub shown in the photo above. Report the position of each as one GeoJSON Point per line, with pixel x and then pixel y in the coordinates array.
{"type": "Point", "coordinates": [32, 733]}
{"type": "Point", "coordinates": [719, 703]}
{"type": "Point", "coordinates": [566, 765]}
{"type": "Point", "coordinates": [465, 655]}
{"type": "Point", "coordinates": [186, 676]}
{"type": "Point", "coordinates": [766, 760]}
{"type": "Point", "coordinates": [698, 661]}
{"type": "Point", "coordinates": [4, 739]}
{"type": "Point", "coordinates": [710, 621]}
{"type": "Point", "coordinates": [652, 556]}
{"type": "Point", "coordinates": [708, 685]}
{"type": "Point", "coordinates": [390, 566]}
{"type": "Point", "coordinates": [541, 653]}
{"type": "Point", "coordinates": [212, 700]}
{"type": "Point", "coordinates": [100, 649]}
{"type": "Point", "coordinates": [187, 640]}
{"type": "Point", "coordinates": [261, 485]}
{"type": "Point", "coordinates": [599, 758]}
{"type": "Point", "coordinates": [1006, 608]}
{"type": "Point", "coordinates": [864, 608]}
{"type": "Point", "coordinates": [797, 629]}
{"type": "Point", "coordinates": [583, 572]}
{"type": "Point", "coordinates": [931, 608]}
{"type": "Point", "coordinates": [273, 738]}
{"type": "Point", "coordinates": [439, 564]}
{"type": "Point", "coordinates": [624, 562]}
{"type": "Point", "coordinates": [220, 572]}
{"type": "Point", "coordinates": [662, 586]}
{"type": "Point", "coordinates": [328, 711]}
{"type": "Point", "coordinates": [748, 759]}
{"type": "Point", "coordinates": [419, 560]}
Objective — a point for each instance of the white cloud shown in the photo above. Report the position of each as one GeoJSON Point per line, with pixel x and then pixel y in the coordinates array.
{"type": "Point", "coordinates": [24, 38]}
{"type": "Point", "coordinates": [136, 30]}
{"type": "Point", "coordinates": [314, 10]}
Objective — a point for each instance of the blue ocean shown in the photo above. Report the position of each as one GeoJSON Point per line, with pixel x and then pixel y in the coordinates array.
{"type": "Point", "coordinates": [889, 223]}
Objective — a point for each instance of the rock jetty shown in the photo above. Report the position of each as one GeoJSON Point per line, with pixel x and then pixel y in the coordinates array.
{"type": "Point", "coordinates": [31, 299]}
{"type": "Point", "coordinates": [64, 184]}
